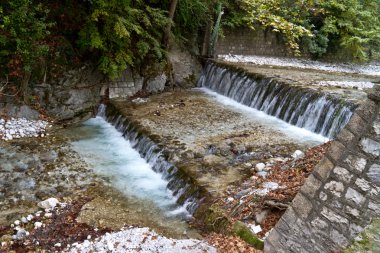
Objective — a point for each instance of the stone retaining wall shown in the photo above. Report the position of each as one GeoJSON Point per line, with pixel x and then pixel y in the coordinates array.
{"type": "Point", "coordinates": [342, 195]}
{"type": "Point", "coordinates": [245, 41]}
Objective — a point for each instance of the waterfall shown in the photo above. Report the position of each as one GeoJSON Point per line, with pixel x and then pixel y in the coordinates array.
{"type": "Point", "coordinates": [186, 194]}
{"type": "Point", "coordinates": [320, 113]}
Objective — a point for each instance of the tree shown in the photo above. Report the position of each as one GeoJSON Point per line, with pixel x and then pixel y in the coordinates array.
{"type": "Point", "coordinates": [23, 30]}
{"type": "Point", "coordinates": [123, 33]}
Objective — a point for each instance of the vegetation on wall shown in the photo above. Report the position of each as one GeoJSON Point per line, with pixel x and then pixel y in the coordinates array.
{"type": "Point", "coordinates": [322, 26]}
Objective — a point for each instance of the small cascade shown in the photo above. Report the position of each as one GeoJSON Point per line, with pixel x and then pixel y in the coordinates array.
{"type": "Point", "coordinates": [184, 192]}
{"type": "Point", "coordinates": [320, 113]}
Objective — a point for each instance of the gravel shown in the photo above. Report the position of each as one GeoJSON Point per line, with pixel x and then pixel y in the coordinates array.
{"type": "Point", "coordinates": [15, 128]}
{"type": "Point", "coordinates": [141, 240]}
{"type": "Point", "coordinates": [373, 69]}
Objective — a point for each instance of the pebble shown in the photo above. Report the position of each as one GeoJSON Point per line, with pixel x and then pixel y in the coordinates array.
{"type": "Point", "coordinates": [230, 199]}
{"type": "Point", "coordinates": [29, 217]}
{"type": "Point", "coordinates": [24, 220]}
{"type": "Point", "coordinates": [21, 234]}
{"type": "Point", "coordinates": [48, 215]}
{"type": "Point", "coordinates": [17, 222]}
{"type": "Point", "coordinates": [57, 245]}
{"type": "Point", "coordinates": [49, 203]}
{"type": "Point", "coordinates": [110, 246]}
{"type": "Point", "coordinates": [37, 224]}
{"type": "Point", "coordinates": [260, 167]}
{"type": "Point", "coordinates": [298, 154]}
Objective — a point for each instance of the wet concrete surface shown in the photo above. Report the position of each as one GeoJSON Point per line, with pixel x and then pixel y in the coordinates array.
{"type": "Point", "coordinates": [214, 143]}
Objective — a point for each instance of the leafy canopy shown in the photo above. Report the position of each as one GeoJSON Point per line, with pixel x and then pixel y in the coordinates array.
{"type": "Point", "coordinates": [124, 32]}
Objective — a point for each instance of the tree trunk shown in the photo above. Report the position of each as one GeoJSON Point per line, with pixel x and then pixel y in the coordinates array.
{"type": "Point", "coordinates": [25, 87]}
{"type": "Point", "coordinates": [173, 7]}
{"type": "Point", "coordinates": [207, 38]}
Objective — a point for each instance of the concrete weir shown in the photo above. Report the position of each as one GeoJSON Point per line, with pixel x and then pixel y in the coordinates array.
{"type": "Point", "coordinates": [200, 140]}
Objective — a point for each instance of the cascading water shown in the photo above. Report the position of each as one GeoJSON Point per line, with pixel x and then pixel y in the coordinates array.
{"type": "Point", "coordinates": [183, 191]}
{"type": "Point", "coordinates": [319, 113]}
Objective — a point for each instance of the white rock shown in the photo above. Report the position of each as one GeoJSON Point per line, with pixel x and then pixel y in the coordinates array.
{"type": "Point", "coordinates": [48, 203]}
{"type": "Point", "coordinates": [259, 167]}
{"type": "Point", "coordinates": [110, 246]}
{"type": "Point", "coordinates": [57, 245]}
{"type": "Point", "coordinates": [29, 217]}
{"type": "Point", "coordinates": [255, 229]}
{"type": "Point", "coordinates": [37, 224]}
{"type": "Point", "coordinates": [298, 154]}
{"type": "Point", "coordinates": [48, 215]}
{"type": "Point", "coordinates": [230, 199]}
{"type": "Point", "coordinates": [17, 222]}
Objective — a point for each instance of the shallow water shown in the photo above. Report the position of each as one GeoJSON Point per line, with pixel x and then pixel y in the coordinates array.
{"type": "Point", "coordinates": [295, 133]}
{"type": "Point", "coordinates": [111, 156]}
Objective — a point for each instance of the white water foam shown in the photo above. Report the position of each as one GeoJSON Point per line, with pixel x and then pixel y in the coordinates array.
{"type": "Point", "coordinates": [299, 134]}
{"type": "Point", "coordinates": [112, 156]}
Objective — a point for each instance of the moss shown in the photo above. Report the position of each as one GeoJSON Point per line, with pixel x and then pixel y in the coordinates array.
{"type": "Point", "coordinates": [370, 240]}
{"type": "Point", "coordinates": [216, 220]}
{"type": "Point", "coordinates": [241, 230]}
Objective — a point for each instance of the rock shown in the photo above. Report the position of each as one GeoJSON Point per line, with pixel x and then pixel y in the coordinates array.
{"type": "Point", "coordinates": [48, 203]}
{"type": "Point", "coordinates": [157, 84]}
{"type": "Point", "coordinates": [262, 173]}
{"type": "Point", "coordinates": [260, 216]}
{"type": "Point", "coordinates": [37, 224]}
{"type": "Point", "coordinates": [271, 185]}
{"type": "Point", "coordinates": [247, 165]}
{"type": "Point", "coordinates": [21, 234]}
{"type": "Point", "coordinates": [298, 154]}
{"type": "Point", "coordinates": [110, 246]}
{"type": "Point", "coordinates": [260, 167]}
{"type": "Point", "coordinates": [255, 229]}
{"type": "Point", "coordinates": [24, 220]}
{"type": "Point", "coordinates": [17, 222]}
{"type": "Point", "coordinates": [57, 245]}
{"type": "Point", "coordinates": [212, 159]}
{"type": "Point", "coordinates": [230, 199]}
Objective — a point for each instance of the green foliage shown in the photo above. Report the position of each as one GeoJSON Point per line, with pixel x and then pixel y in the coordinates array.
{"type": "Point", "coordinates": [124, 33]}
{"type": "Point", "coordinates": [280, 17]}
{"type": "Point", "coordinates": [324, 26]}
{"type": "Point", "coordinates": [23, 30]}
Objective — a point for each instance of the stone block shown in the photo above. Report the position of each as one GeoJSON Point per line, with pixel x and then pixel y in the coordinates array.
{"type": "Point", "coordinates": [342, 174]}
{"type": "Point", "coordinates": [362, 184]}
{"type": "Point", "coordinates": [354, 230]}
{"type": "Point", "coordinates": [366, 110]}
{"type": "Point", "coordinates": [324, 168]}
{"type": "Point", "coordinates": [334, 187]}
{"type": "Point", "coordinates": [355, 163]}
{"type": "Point", "coordinates": [346, 137]}
{"type": "Point", "coordinates": [376, 126]}
{"type": "Point", "coordinates": [319, 224]}
{"type": "Point", "coordinates": [352, 212]}
{"type": "Point", "coordinates": [302, 206]}
{"type": "Point", "coordinates": [370, 146]}
{"type": "Point", "coordinates": [333, 217]}
{"type": "Point", "coordinates": [374, 173]}
{"type": "Point", "coordinates": [311, 186]}
{"type": "Point", "coordinates": [323, 196]}
{"type": "Point", "coordinates": [354, 196]}
{"type": "Point", "coordinates": [339, 239]}
{"type": "Point", "coordinates": [290, 217]}
{"type": "Point", "coordinates": [374, 207]}
{"type": "Point", "coordinates": [336, 151]}
{"type": "Point", "coordinates": [357, 125]}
